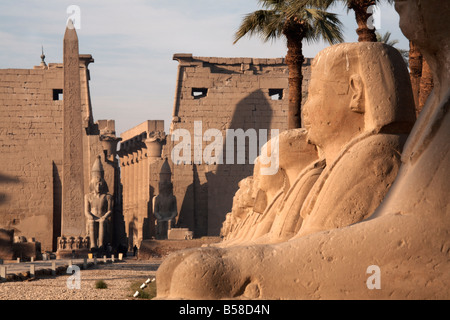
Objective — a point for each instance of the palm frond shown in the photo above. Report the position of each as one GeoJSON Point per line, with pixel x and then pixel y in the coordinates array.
{"type": "Point", "coordinates": [321, 24]}
{"type": "Point", "coordinates": [319, 4]}
{"type": "Point", "coordinates": [273, 4]}
{"type": "Point", "coordinates": [385, 38]}
{"type": "Point", "coordinates": [254, 23]}
{"type": "Point", "coordinates": [311, 14]}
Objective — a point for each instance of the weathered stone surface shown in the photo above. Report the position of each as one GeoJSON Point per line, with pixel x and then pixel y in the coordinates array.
{"type": "Point", "coordinates": [243, 94]}
{"type": "Point", "coordinates": [164, 203]}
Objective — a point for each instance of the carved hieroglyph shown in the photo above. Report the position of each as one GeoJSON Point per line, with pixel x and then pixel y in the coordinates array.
{"type": "Point", "coordinates": [72, 175]}
{"type": "Point", "coordinates": [359, 115]}
{"type": "Point", "coordinates": [300, 162]}
{"type": "Point", "coordinates": [406, 238]}
{"type": "Point", "coordinates": [165, 203]}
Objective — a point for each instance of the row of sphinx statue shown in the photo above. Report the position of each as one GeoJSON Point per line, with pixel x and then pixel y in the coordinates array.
{"type": "Point", "coordinates": [363, 183]}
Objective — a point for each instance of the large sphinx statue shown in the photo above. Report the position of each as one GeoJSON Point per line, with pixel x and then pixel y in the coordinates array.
{"type": "Point", "coordinates": [275, 214]}
{"type": "Point", "coordinates": [165, 203]}
{"type": "Point", "coordinates": [407, 235]}
{"type": "Point", "coordinates": [98, 208]}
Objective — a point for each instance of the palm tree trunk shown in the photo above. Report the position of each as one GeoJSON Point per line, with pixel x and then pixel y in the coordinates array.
{"type": "Point", "coordinates": [415, 72]}
{"type": "Point", "coordinates": [362, 16]}
{"type": "Point", "coordinates": [426, 85]}
{"type": "Point", "coordinates": [294, 61]}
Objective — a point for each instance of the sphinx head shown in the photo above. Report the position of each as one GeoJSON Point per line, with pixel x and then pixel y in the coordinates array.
{"type": "Point", "coordinates": [357, 88]}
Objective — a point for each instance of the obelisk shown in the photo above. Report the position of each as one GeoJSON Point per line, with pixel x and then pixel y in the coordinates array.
{"type": "Point", "coordinates": [72, 219]}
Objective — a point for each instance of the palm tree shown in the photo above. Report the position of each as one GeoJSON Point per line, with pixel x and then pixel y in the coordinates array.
{"type": "Point", "coordinates": [309, 21]}
{"type": "Point", "coordinates": [386, 38]}
{"type": "Point", "coordinates": [362, 15]}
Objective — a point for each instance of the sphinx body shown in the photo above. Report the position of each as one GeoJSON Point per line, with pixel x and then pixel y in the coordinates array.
{"type": "Point", "coordinates": [265, 198]}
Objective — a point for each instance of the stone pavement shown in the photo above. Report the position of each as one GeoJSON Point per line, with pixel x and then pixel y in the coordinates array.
{"type": "Point", "coordinates": [122, 281]}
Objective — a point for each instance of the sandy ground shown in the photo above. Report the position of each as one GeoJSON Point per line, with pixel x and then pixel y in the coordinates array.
{"type": "Point", "coordinates": [117, 276]}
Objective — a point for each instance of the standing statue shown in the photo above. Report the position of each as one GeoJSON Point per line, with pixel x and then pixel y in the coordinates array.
{"type": "Point", "coordinates": [98, 209]}
{"type": "Point", "coordinates": [165, 203]}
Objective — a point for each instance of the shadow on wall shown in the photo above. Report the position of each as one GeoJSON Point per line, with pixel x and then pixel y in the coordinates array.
{"type": "Point", "coordinates": [57, 202]}
{"type": "Point", "coordinates": [212, 200]}
{"type": "Point", "coordinates": [132, 233]}
{"type": "Point", "coordinates": [4, 181]}
{"type": "Point", "coordinates": [6, 231]}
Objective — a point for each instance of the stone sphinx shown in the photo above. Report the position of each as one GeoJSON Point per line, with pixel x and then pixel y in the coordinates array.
{"type": "Point", "coordinates": [261, 197]}
{"type": "Point", "coordinates": [245, 212]}
{"type": "Point", "coordinates": [282, 193]}
{"type": "Point", "coordinates": [242, 205]}
{"type": "Point", "coordinates": [165, 203]}
{"type": "Point", "coordinates": [299, 160]}
{"type": "Point", "coordinates": [406, 236]}
{"type": "Point", "coordinates": [98, 209]}
{"type": "Point", "coordinates": [269, 193]}
{"type": "Point", "coordinates": [359, 116]}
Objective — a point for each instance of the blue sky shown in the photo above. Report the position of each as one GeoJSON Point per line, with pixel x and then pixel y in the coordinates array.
{"type": "Point", "coordinates": [133, 41]}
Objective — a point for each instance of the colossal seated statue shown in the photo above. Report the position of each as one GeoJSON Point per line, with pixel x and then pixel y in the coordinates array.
{"type": "Point", "coordinates": [271, 186]}
{"type": "Point", "coordinates": [165, 203]}
{"type": "Point", "coordinates": [98, 209]}
{"type": "Point", "coordinates": [406, 237]}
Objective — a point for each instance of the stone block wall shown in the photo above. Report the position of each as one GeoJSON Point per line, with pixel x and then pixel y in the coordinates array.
{"type": "Point", "coordinates": [31, 150]}
{"type": "Point", "coordinates": [211, 93]}
{"type": "Point", "coordinates": [223, 93]}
